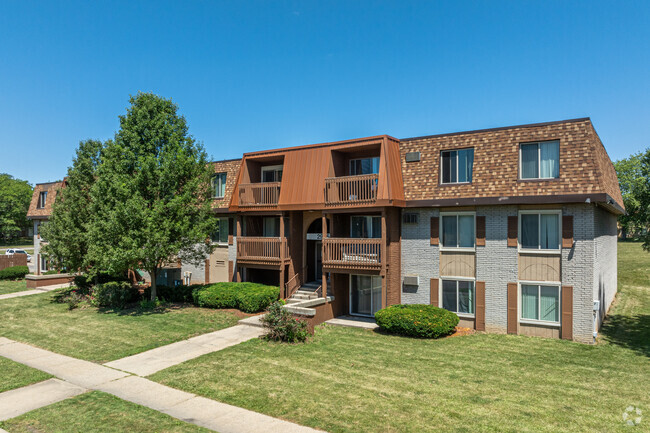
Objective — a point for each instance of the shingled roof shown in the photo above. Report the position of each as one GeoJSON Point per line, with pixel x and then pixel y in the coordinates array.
{"type": "Point", "coordinates": [52, 188]}
{"type": "Point", "coordinates": [585, 168]}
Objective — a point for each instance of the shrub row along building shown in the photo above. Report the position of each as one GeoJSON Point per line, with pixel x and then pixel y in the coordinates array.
{"type": "Point", "coordinates": [512, 228]}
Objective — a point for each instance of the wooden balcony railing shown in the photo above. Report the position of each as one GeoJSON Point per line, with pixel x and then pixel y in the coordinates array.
{"type": "Point", "coordinates": [352, 253]}
{"type": "Point", "coordinates": [261, 250]}
{"type": "Point", "coordinates": [259, 194]}
{"type": "Point", "coordinates": [345, 190]}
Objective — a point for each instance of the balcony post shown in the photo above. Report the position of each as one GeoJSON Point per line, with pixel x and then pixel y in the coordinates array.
{"type": "Point", "coordinates": [383, 258]}
{"type": "Point", "coordinates": [324, 285]}
{"type": "Point", "coordinates": [282, 241]}
{"type": "Point", "coordinates": [237, 271]}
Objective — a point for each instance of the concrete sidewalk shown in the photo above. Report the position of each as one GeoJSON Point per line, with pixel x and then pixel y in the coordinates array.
{"type": "Point", "coordinates": [151, 361]}
{"type": "Point", "coordinates": [22, 400]}
{"type": "Point", "coordinates": [182, 405]}
{"type": "Point", "coordinates": [33, 291]}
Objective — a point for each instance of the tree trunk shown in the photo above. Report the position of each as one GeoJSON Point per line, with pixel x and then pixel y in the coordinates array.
{"type": "Point", "coordinates": [153, 274]}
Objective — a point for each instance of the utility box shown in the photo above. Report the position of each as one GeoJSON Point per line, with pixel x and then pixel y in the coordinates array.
{"type": "Point", "coordinates": [412, 280]}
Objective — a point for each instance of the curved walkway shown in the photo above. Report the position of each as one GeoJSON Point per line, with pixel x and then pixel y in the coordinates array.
{"type": "Point", "coordinates": [77, 376]}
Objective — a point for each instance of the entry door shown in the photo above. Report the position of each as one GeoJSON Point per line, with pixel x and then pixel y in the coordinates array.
{"type": "Point", "coordinates": [365, 294]}
{"type": "Point", "coordinates": [318, 254]}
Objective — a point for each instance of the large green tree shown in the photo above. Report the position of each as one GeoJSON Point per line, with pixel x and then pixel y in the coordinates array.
{"type": "Point", "coordinates": [15, 195]}
{"type": "Point", "coordinates": [631, 180]}
{"type": "Point", "coordinates": [150, 202]}
{"type": "Point", "coordinates": [67, 228]}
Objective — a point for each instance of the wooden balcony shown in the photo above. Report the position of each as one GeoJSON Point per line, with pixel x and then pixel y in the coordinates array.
{"type": "Point", "coordinates": [264, 194]}
{"type": "Point", "coordinates": [262, 251]}
{"type": "Point", "coordinates": [352, 253]}
{"type": "Point", "coordinates": [351, 190]}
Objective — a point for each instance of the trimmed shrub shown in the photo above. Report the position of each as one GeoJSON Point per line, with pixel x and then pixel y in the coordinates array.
{"type": "Point", "coordinates": [417, 320]}
{"type": "Point", "coordinates": [85, 281]}
{"type": "Point", "coordinates": [114, 294]}
{"type": "Point", "coordinates": [14, 273]}
{"type": "Point", "coordinates": [247, 297]}
{"type": "Point", "coordinates": [282, 326]}
{"type": "Point", "coordinates": [178, 293]}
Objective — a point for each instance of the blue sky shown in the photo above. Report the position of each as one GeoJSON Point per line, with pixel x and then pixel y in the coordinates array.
{"type": "Point", "coordinates": [263, 74]}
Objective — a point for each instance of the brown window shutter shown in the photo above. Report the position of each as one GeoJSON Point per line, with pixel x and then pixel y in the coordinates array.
{"type": "Point", "coordinates": [567, 312]}
{"type": "Point", "coordinates": [230, 241]}
{"type": "Point", "coordinates": [512, 231]}
{"type": "Point", "coordinates": [231, 266]}
{"type": "Point", "coordinates": [207, 271]}
{"type": "Point", "coordinates": [435, 227]}
{"type": "Point", "coordinates": [434, 292]}
{"type": "Point", "coordinates": [567, 231]}
{"type": "Point", "coordinates": [480, 306]}
{"type": "Point", "coordinates": [512, 308]}
{"type": "Point", "coordinates": [480, 231]}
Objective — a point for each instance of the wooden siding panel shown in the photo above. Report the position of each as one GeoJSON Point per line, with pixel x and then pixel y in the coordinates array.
{"type": "Point", "coordinates": [567, 231]}
{"type": "Point", "coordinates": [539, 330]}
{"type": "Point", "coordinates": [456, 264]}
{"type": "Point", "coordinates": [567, 312]}
{"type": "Point", "coordinates": [480, 306]}
{"type": "Point", "coordinates": [480, 231]}
{"type": "Point", "coordinates": [513, 316]}
{"type": "Point", "coordinates": [435, 293]}
{"type": "Point", "coordinates": [539, 267]}
{"type": "Point", "coordinates": [512, 231]}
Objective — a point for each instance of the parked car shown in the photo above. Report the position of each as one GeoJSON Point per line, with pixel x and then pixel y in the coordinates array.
{"type": "Point", "coordinates": [12, 251]}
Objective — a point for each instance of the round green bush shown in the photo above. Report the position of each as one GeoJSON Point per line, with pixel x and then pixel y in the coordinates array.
{"type": "Point", "coordinates": [417, 320]}
{"type": "Point", "coordinates": [247, 297]}
{"type": "Point", "coordinates": [14, 272]}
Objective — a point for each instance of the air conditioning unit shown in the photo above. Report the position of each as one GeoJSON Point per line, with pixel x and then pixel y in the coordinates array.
{"type": "Point", "coordinates": [412, 280]}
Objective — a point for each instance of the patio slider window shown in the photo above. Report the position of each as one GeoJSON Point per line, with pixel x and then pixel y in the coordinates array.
{"type": "Point", "coordinates": [457, 166]}
{"type": "Point", "coordinates": [540, 303]}
{"type": "Point", "coordinates": [540, 160]}
{"type": "Point", "coordinates": [540, 230]}
{"type": "Point", "coordinates": [458, 230]}
{"type": "Point", "coordinates": [365, 227]}
{"type": "Point", "coordinates": [365, 294]}
{"type": "Point", "coordinates": [272, 173]}
{"type": "Point", "coordinates": [271, 228]}
{"type": "Point", "coordinates": [458, 296]}
{"type": "Point", "coordinates": [364, 166]}
{"type": "Point", "coordinates": [220, 233]}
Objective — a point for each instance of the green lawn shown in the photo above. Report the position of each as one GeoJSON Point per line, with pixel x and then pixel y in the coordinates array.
{"type": "Point", "coordinates": [102, 336]}
{"type": "Point", "coordinates": [96, 412]}
{"type": "Point", "coordinates": [14, 375]}
{"type": "Point", "coordinates": [351, 380]}
{"type": "Point", "coordinates": [8, 286]}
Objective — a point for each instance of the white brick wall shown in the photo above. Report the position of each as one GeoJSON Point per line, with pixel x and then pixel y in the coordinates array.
{"type": "Point", "coordinates": [496, 264]}
{"type": "Point", "coordinates": [589, 267]}
{"type": "Point", "coordinates": [419, 257]}
{"type": "Point", "coordinates": [605, 263]}
{"type": "Point", "coordinates": [577, 269]}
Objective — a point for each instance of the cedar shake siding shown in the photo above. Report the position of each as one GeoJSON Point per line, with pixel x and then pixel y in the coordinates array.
{"type": "Point", "coordinates": [368, 214]}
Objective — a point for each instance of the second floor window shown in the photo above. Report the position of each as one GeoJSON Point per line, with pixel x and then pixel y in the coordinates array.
{"type": "Point", "coordinates": [540, 160]}
{"type": "Point", "coordinates": [539, 230]}
{"type": "Point", "coordinates": [458, 230]}
{"type": "Point", "coordinates": [457, 166]}
{"type": "Point", "coordinates": [219, 185]}
{"type": "Point", "coordinates": [365, 227]}
{"type": "Point", "coordinates": [42, 199]}
{"type": "Point", "coordinates": [364, 166]}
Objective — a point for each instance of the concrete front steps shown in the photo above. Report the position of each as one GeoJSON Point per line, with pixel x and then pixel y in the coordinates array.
{"type": "Point", "coordinates": [305, 298]}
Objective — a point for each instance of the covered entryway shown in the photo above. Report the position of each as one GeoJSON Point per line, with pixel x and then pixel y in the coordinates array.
{"type": "Point", "coordinates": [314, 250]}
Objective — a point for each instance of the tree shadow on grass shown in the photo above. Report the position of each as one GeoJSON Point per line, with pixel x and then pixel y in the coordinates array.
{"type": "Point", "coordinates": [630, 332]}
{"type": "Point", "coordinates": [138, 311]}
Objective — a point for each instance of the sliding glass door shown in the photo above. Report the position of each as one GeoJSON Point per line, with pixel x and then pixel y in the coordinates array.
{"type": "Point", "coordinates": [365, 294]}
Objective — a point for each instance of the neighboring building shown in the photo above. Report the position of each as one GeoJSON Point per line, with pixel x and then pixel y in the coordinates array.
{"type": "Point", "coordinates": [512, 228]}
{"type": "Point", "coordinates": [39, 212]}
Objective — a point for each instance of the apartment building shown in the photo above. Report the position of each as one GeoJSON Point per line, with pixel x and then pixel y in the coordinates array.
{"type": "Point", "coordinates": [512, 228]}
